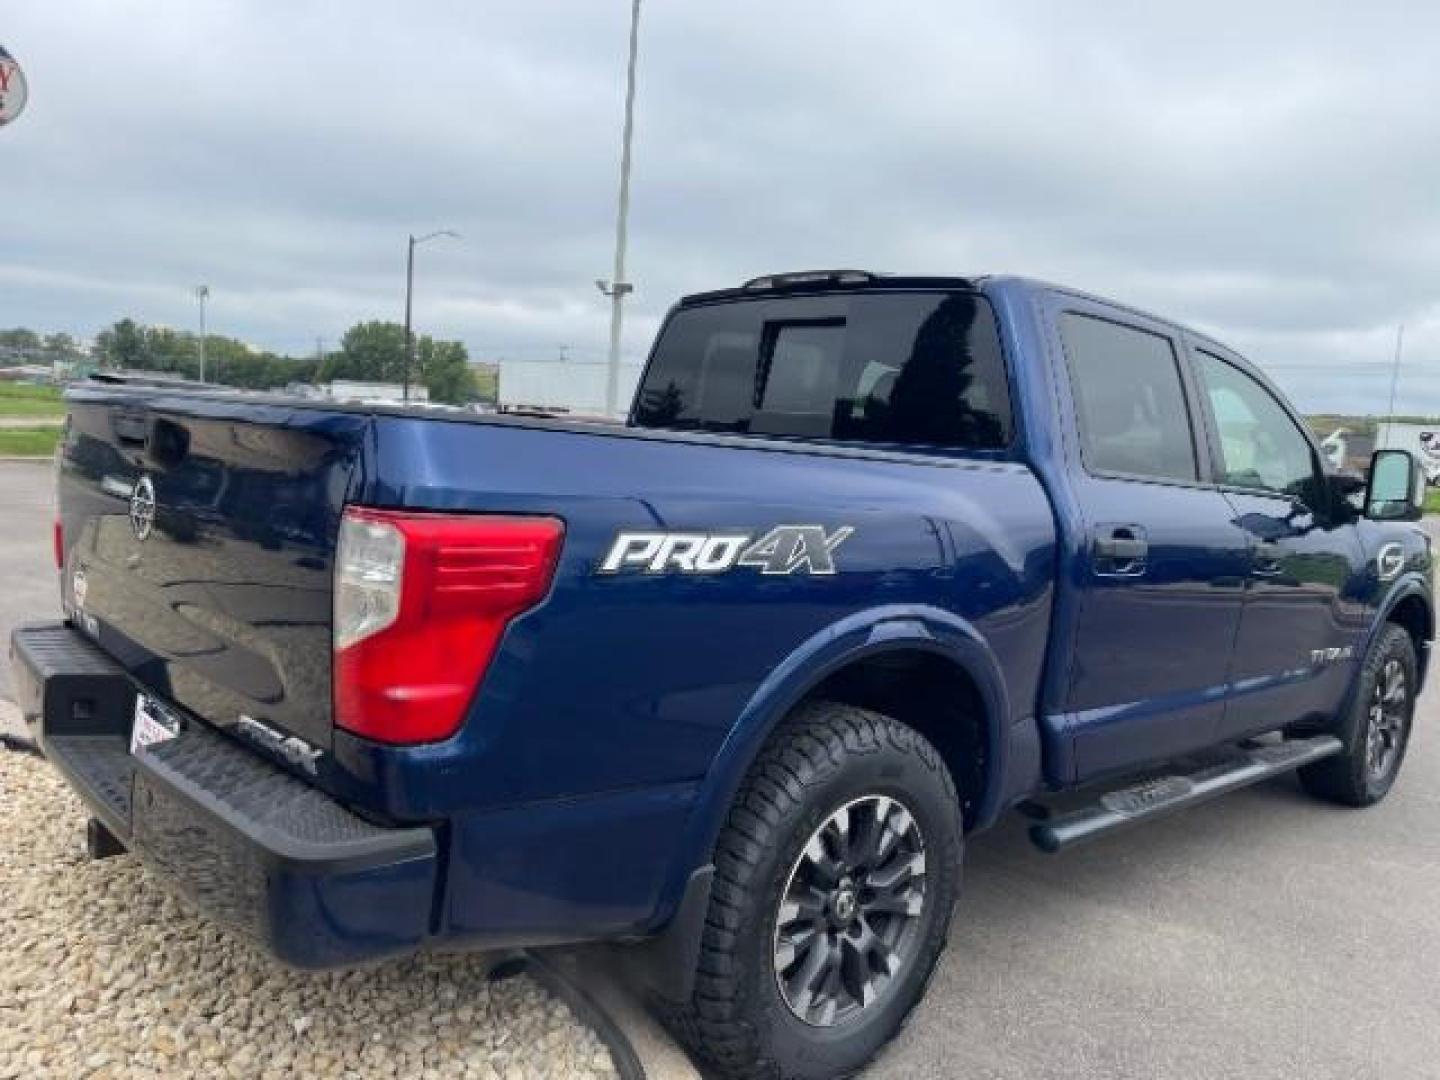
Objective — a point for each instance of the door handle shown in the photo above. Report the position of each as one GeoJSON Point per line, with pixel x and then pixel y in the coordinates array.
{"type": "Point", "coordinates": [1120, 550]}
{"type": "Point", "coordinates": [1269, 559]}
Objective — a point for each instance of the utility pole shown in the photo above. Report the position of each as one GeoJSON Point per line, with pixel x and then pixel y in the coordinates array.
{"type": "Point", "coordinates": [409, 295]}
{"type": "Point", "coordinates": [202, 293]}
{"type": "Point", "coordinates": [617, 287]}
{"type": "Point", "coordinates": [1384, 443]}
{"type": "Point", "coordinates": [1395, 372]}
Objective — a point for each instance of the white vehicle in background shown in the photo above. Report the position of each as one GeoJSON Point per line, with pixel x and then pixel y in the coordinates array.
{"type": "Point", "coordinates": [1422, 440]}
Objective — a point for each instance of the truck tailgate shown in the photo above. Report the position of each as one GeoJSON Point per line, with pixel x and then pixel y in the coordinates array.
{"type": "Point", "coordinates": [198, 534]}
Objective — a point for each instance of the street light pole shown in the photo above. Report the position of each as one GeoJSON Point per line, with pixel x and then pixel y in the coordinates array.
{"type": "Point", "coordinates": [409, 336]}
{"type": "Point", "coordinates": [617, 286]}
{"type": "Point", "coordinates": [1395, 372]}
{"type": "Point", "coordinates": [409, 298]}
{"type": "Point", "coordinates": [202, 293]}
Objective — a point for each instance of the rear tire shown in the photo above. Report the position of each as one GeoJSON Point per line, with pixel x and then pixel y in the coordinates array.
{"type": "Point", "coordinates": [836, 872]}
{"type": "Point", "coordinates": [1375, 730]}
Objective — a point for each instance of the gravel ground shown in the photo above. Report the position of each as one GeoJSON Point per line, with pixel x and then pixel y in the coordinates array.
{"type": "Point", "coordinates": [105, 973]}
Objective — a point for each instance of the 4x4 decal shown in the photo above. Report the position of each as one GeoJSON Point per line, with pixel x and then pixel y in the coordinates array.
{"type": "Point", "coordinates": [785, 549]}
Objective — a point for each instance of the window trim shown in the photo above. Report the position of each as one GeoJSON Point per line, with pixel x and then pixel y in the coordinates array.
{"type": "Point", "coordinates": [1199, 448]}
{"type": "Point", "coordinates": [1197, 348]}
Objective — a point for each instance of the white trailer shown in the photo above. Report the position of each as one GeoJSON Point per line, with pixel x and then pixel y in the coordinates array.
{"type": "Point", "coordinates": [1422, 440]}
{"type": "Point", "coordinates": [570, 386]}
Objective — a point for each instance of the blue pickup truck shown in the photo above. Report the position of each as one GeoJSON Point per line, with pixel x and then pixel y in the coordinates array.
{"type": "Point", "coordinates": [874, 560]}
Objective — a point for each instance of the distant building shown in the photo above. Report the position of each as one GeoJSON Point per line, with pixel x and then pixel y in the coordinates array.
{"type": "Point", "coordinates": [563, 386]}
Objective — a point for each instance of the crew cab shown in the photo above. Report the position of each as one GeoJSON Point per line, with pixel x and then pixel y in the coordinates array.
{"type": "Point", "coordinates": [874, 560]}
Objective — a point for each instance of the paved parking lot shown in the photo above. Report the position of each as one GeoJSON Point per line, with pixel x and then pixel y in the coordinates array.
{"type": "Point", "coordinates": [27, 575]}
{"type": "Point", "coordinates": [1264, 936]}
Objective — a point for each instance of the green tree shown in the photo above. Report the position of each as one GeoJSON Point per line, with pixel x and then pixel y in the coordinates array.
{"type": "Point", "coordinates": [371, 352]}
{"type": "Point", "coordinates": [20, 340]}
{"type": "Point", "coordinates": [487, 381]}
{"type": "Point", "coordinates": [121, 345]}
{"type": "Point", "coordinates": [61, 347]}
{"type": "Point", "coordinates": [228, 360]}
{"type": "Point", "coordinates": [173, 351]}
{"type": "Point", "coordinates": [445, 371]}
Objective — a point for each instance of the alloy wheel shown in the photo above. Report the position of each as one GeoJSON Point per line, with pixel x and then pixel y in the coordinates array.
{"type": "Point", "coordinates": [850, 911]}
{"type": "Point", "coordinates": [1389, 717]}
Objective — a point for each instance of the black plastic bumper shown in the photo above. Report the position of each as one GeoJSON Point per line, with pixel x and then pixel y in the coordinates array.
{"type": "Point", "coordinates": [252, 845]}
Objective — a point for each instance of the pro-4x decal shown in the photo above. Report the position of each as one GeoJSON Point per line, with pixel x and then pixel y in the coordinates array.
{"type": "Point", "coordinates": [785, 549]}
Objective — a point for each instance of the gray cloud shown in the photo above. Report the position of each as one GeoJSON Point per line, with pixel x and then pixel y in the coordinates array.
{"type": "Point", "coordinates": [1265, 172]}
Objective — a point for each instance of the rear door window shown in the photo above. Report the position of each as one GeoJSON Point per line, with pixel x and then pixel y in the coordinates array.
{"type": "Point", "coordinates": [1129, 400]}
{"type": "Point", "coordinates": [922, 368]}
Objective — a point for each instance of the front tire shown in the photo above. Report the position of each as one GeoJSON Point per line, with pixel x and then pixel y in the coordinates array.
{"type": "Point", "coordinates": [1376, 729]}
{"type": "Point", "coordinates": [836, 873]}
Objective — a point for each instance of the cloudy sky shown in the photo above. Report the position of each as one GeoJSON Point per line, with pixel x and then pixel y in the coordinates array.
{"type": "Point", "coordinates": [1269, 172]}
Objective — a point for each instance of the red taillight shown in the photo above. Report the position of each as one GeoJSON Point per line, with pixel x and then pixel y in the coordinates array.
{"type": "Point", "coordinates": [58, 537]}
{"type": "Point", "coordinates": [421, 601]}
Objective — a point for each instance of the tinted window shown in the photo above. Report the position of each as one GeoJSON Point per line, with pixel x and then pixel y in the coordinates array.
{"type": "Point", "coordinates": [909, 368]}
{"type": "Point", "coordinates": [1260, 446]}
{"type": "Point", "coordinates": [1129, 401]}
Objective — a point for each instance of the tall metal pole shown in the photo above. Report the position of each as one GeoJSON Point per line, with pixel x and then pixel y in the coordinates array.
{"type": "Point", "coordinates": [202, 292]}
{"type": "Point", "coordinates": [1395, 372]}
{"type": "Point", "coordinates": [618, 285]}
{"type": "Point", "coordinates": [409, 337]}
{"type": "Point", "coordinates": [415, 241]}
{"type": "Point", "coordinates": [1382, 440]}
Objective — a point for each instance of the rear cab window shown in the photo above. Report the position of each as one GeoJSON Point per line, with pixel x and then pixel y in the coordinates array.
{"type": "Point", "coordinates": [920, 368]}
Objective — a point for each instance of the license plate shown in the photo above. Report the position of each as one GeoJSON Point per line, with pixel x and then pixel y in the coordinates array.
{"type": "Point", "coordinates": [153, 724]}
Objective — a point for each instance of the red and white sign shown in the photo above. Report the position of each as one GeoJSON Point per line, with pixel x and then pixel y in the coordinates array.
{"type": "Point", "coordinates": [13, 91]}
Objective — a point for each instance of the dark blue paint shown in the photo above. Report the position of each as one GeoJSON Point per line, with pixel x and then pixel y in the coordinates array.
{"type": "Point", "coordinates": [616, 720]}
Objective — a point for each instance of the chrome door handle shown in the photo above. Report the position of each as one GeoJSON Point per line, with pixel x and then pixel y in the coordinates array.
{"type": "Point", "coordinates": [1120, 551]}
{"type": "Point", "coordinates": [1269, 559]}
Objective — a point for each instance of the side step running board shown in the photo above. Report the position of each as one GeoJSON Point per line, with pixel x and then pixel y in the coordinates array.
{"type": "Point", "coordinates": [1154, 798]}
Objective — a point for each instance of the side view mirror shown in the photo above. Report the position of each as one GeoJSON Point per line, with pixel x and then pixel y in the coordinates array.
{"type": "Point", "coordinates": [1394, 491]}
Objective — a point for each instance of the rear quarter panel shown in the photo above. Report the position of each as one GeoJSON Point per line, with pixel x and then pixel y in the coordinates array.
{"type": "Point", "coordinates": [631, 679]}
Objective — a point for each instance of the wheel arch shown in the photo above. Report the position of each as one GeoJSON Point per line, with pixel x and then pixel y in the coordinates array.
{"type": "Point", "coordinates": [897, 633]}
{"type": "Point", "coordinates": [1409, 605]}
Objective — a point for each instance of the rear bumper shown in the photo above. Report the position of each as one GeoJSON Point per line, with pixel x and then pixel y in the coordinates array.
{"type": "Point", "coordinates": [252, 845]}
